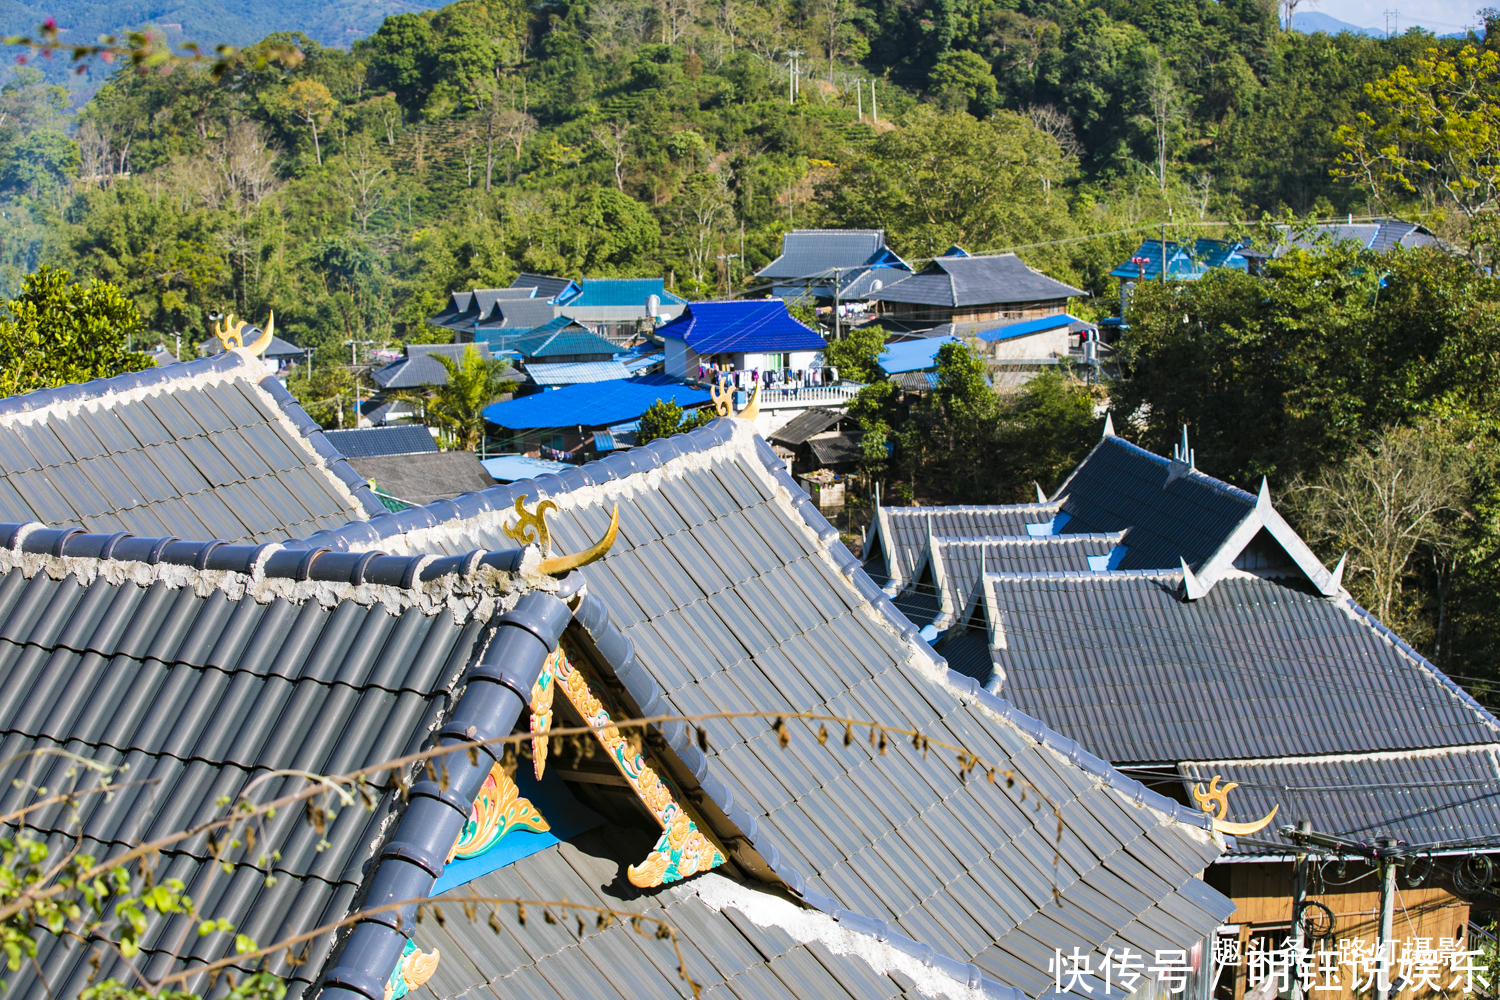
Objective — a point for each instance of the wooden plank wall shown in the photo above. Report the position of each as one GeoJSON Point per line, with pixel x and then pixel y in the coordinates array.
{"type": "Point", "coordinates": [1263, 894]}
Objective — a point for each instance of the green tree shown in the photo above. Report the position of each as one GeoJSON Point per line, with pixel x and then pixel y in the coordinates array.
{"type": "Point", "coordinates": [664, 418]}
{"type": "Point", "coordinates": [310, 102]}
{"type": "Point", "coordinates": [857, 355]}
{"type": "Point", "coordinates": [1434, 132]}
{"type": "Point", "coordinates": [963, 82]}
{"type": "Point", "coordinates": [458, 406]}
{"type": "Point", "coordinates": [58, 332]}
{"type": "Point", "coordinates": [945, 179]}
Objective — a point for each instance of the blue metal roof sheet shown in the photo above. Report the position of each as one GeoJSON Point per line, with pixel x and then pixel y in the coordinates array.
{"type": "Point", "coordinates": [594, 404]}
{"type": "Point", "coordinates": [742, 326]}
{"type": "Point", "coordinates": [562, 336]}
{"type": "Point", "coordinates": [913, 355]}
{"type": "Point", "coordinates": [1027, 327]}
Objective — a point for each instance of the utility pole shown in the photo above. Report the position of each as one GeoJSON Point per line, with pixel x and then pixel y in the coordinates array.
{"type": "Point", "coordinates": [1163, 253]}
{"type": "Point", "coordinates": [874, 110]}
{"type": "Point", "coordinates": [836, 335]}
{"type": "Point", "coordinates": [1391, 18]}
{"type": "Point", "coordinates": [859, 102]}
{"type": "Point", "coordinates": [1299, 901]}
{"type": "Point", "coordinates": [1386, 848]}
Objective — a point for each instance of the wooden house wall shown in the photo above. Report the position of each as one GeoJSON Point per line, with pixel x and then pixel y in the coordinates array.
{"type": "Point", "coordinates": [1263, 894]}
{"type": "Point", "coordinates": [993, 311]}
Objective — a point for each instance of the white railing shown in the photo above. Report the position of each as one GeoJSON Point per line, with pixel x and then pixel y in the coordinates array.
{"type": "Point", "coordinates": [774, 397]}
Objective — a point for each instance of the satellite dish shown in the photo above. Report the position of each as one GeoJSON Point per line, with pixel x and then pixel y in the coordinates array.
{"type": "Point", "coordinates": [876, 286]}
{"type": "Point", "coordinates": [653, 305]}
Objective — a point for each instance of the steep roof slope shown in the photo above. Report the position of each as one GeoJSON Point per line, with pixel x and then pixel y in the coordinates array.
{"type": "Point", "coordinates": [956, 282]}
{"type": "Point", "coordinates": [212, 448]}
{"type": "Point", "coordinates": [811, 253]}
{"type": "Point", "coordinates": [741, 326]}
{"type": "Point", "coordinates": [896, 544]}
{"type": "Point", "coordinates": [734, 594]}
{"type": "Point", "coordinates": [1254, 668]}
{"type": "Point", "coordinates": [203, 668]}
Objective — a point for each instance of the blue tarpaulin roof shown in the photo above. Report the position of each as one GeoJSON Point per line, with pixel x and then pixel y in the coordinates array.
{"type": "Point", "coordinates": [596, 404]}
{"type": "Point", "coordinates": [509, 468]}
{"type": "Point", "coordinates": [913, 355]}
{"type": "Point", "coordinates": [1028, 326]}
{"type": "Point", "coordinates": [741, 327]}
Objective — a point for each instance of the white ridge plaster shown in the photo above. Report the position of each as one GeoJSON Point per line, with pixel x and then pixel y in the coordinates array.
{"type": "Point", "coordinates": [200, 380]}
{"type": "Point", "coordinates": [810, 926]}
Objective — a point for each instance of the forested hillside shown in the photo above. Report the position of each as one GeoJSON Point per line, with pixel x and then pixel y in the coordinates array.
{"type": "Point", "coordinates": [352, 190]}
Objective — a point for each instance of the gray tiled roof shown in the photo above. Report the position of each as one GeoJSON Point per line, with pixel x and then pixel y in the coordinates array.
{"type": "Point", "coordinates": [201, 682]}
{"type": "Point", "coordinates": [212, 448]}
{"type": "Point", "coordinates": [425, 477]}
{"type": "Point", "coordinates": [1173, 512]}
{"type": "Point", "coordinates": [420, 366]}
{"type": "Point", "coordinates": [956, 282]}
{"type": "Point", "coordinates": [1255, 668]}
{"type": "Point", "coordinates": [1438, 799]}
{"type": "Point", "coordinates": [896, 545]}
{"type": "Point", "coordinates": [367, 442]}
{"type": "Point", "coordinates": [734, 594]}
{"type": "Point", "coordinates": [546, 285]}
{"type": "Point", "coordinates": [807, 253]}
{"type": "Point", "coordinates": [958, 562]}
{"type": "Point", "coordinates": [726, 952]}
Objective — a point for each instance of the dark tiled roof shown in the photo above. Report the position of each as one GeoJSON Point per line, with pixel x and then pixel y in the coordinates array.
{"type": "Point", "coordinates": [420, 366]}
{"type": "Point", "coordinates": [1256, 668]}
{"type": "Point", "coordinates": [958, 562]}
{"type": "Point", "coordinates": [733, 593]}
{"type": "Point", "coordinates": [812, 253]}
{"type": "Point", "coordinates": [518, 314]}
{"type": "Point", "coordinates": [547, 286]}
{"type": "Point", "coordinates": [425, 477]}
{"type": "Point", "coordinates": [202, 681]}
{"type": "Point", "coordinates": [956, 282]}
{"type": "Point", "coordinates": [1173, 512]}
{"type": "Point", "coordinates": [741, 326]}
{"type": "Point", "coordinates": [212, 448]}
{"type": "Point", "coordinates": [803, 426]}
{"type": "Point", "coordinates": [398, 439]}
{"type": "Point", "coordinates": [898, 535]}
{"type": "Point", "coordinates": [1438, 799]}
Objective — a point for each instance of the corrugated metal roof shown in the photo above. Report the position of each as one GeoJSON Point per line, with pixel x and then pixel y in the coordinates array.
{"type": "Point", "coordinates": [1256, 668]}
{"type": "Point", "coordinates": [547, 287]}
{"type": "Point", "coordinates": [1437, 799]}
{"type": "Point", "coordinates": [973, 281]}
{"type": "Point", "coordinates": [211, 448]}
{"type": "Point", "coordinates": [958, 561]}
{"type": "Point", "coordinates": [574, 372]}
{"type": "Point", "coordinates": [596, 404]}
{"type": "Point", "coordinates": [398, 439]}
{"type": "Point", "coordinates": [898, 536]}
{"type": "Point", "coordinates": [741, 326]}
{"type": "Point", "coordinates": [731, 596]}
{"type": "Point", "coordinates": [913, 355]}
{"type": "Point", "coordinates": [803, 426]}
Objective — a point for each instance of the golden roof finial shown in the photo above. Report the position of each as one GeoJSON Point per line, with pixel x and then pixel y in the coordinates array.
{"type": "Point", "coordinates": [1215, 802]}
{"type": "Point", "coordinates": [752, 411]}
{"type": "Point", "coordinates": [531, 529]}
{"type": "Point", "coordinates": [723, 398]}
{"type": "Point", "coordinates": [232, 335]}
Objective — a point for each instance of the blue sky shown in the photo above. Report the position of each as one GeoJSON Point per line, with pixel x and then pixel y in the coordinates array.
{"type": "Point", "coordinates": [1440, 16]}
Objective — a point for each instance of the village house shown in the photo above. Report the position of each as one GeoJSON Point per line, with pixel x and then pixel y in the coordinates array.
{"type": "Point", "coordinates": [820, 265]}
{"type": "Point", "coordinates": [688, 577]}
{"type": "Point", "coordinates": [963, 289]}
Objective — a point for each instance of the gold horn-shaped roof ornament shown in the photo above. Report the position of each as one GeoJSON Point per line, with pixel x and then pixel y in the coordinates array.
{"type": "Point", "coordinates": [531, 529]}
{"type": "Point", "coordinates": [723, 398]}
{"type": "Point", "coordinates": [1215, 802]}
{"type": "Point", "coordinates": [232, 335]}
{"type": "Point", "coordinates": [752, 411]}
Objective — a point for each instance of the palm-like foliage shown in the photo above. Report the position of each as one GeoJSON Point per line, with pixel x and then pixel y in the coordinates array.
{"type": "Point", "coordinates": [473, 384]}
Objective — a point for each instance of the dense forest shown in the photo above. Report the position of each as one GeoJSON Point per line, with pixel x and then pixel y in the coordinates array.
{"type": "Point", "coordinates": [351, 190]}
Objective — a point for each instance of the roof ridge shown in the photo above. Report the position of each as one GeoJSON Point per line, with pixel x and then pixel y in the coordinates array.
{"type": "Point", "coordinates": [1196, 474]}
{"type": "Point", "coordinates": [270, 570]}
{"type": "Point", "coordinates": [1099, 576]}
{"type": "Point", "coordinates": [38, 400]}
{"type": "Point", "coordinates": [1082, 536]}
{"type": "Point", "coordinates": [1360, 755]}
